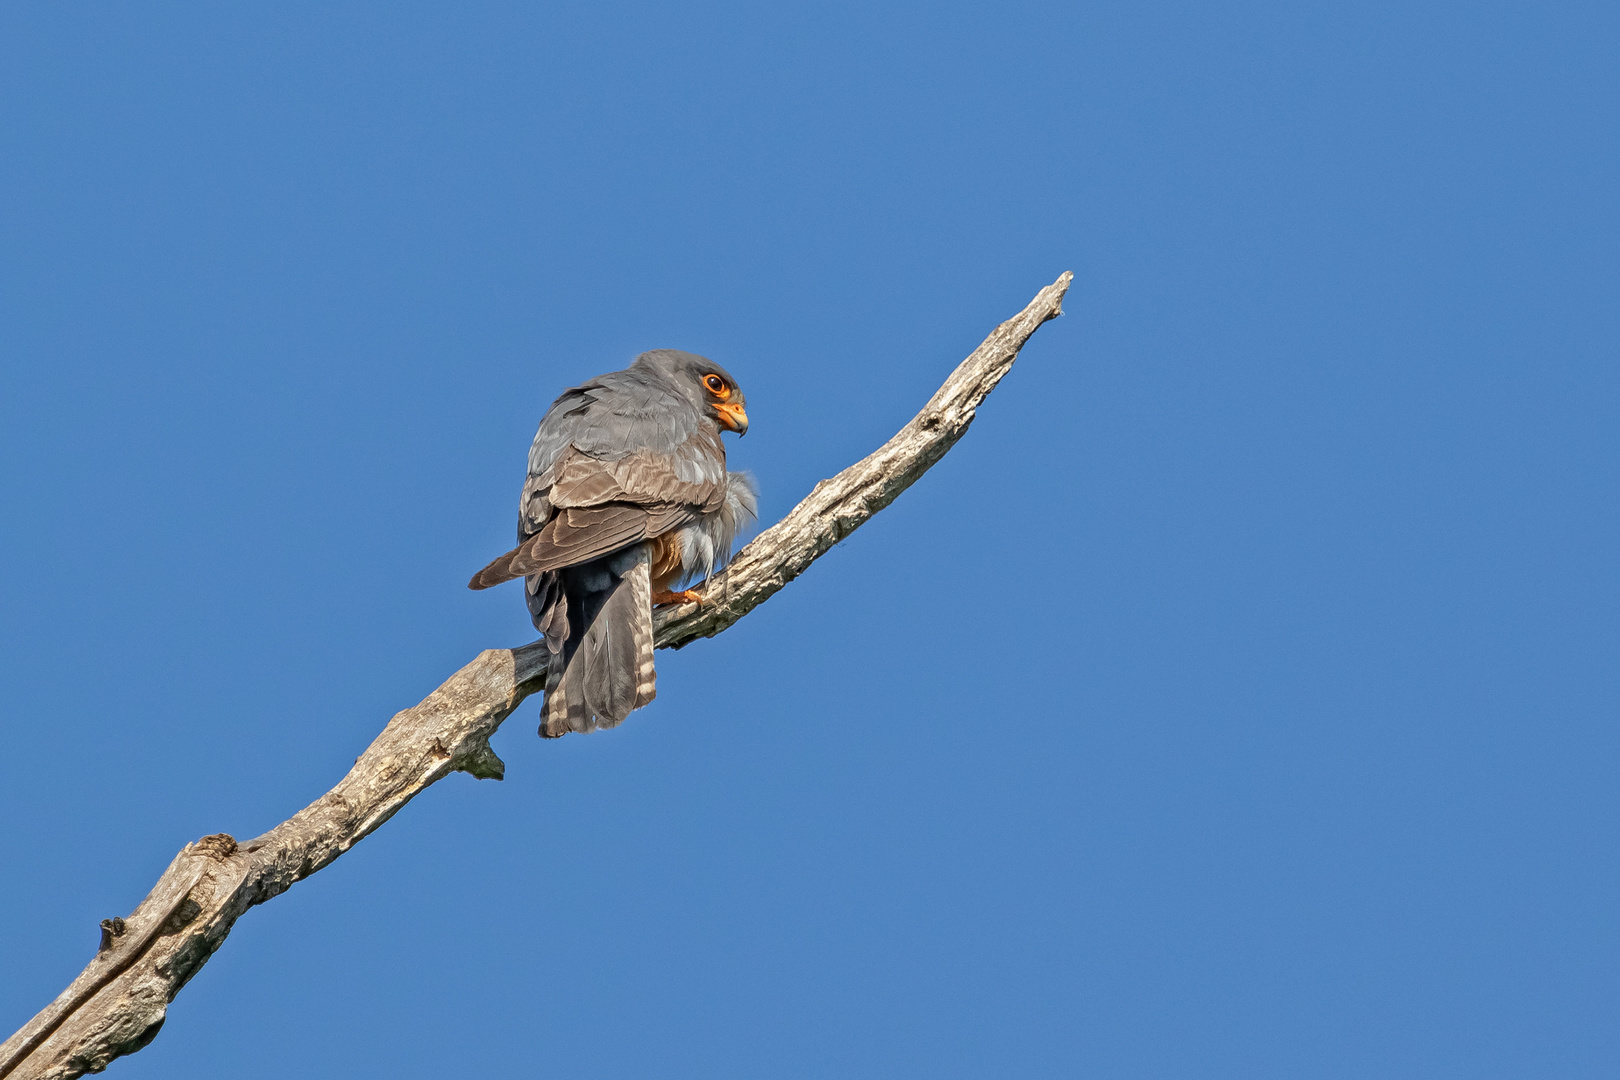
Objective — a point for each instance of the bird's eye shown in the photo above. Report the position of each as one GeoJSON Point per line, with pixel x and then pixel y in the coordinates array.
{"type": "Point", "coordinates": [716, 384]}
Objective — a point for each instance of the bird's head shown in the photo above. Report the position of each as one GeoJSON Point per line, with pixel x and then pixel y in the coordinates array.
{"type": "Point", "coordinates": [705, 383]}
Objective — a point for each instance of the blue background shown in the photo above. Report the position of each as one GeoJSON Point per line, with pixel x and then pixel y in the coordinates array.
{"type": "Point", "coordinates": [1238, 699]}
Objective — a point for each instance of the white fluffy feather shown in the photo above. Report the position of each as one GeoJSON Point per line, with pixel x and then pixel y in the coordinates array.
{"type": "Point", "coordinates": [706, 543]}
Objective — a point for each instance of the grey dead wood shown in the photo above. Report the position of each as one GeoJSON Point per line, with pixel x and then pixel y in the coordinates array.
{"type": "Point", "coordinates": [118, 1003]}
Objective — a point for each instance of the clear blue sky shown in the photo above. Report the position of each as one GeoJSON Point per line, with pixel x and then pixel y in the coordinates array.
{"type": "Point", "coordinates": [1238, 699]}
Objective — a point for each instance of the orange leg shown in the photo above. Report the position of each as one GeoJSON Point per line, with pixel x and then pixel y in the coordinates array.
{"type": "Point", "coordinates": [664, 596]}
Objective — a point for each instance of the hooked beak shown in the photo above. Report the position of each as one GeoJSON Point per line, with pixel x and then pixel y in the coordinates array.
{"type": "Point", "coordinates": [733, 417]}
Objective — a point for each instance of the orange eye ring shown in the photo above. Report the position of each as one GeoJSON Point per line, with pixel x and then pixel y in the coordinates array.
{"type": "Point", "coordinates": [717, 386]}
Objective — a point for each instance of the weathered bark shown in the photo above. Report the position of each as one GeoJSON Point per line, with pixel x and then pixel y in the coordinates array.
{"type": "Point", "coordinates": [118, 1003]}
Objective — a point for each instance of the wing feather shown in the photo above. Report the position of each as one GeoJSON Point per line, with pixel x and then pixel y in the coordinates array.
{"type": "Point", "coordinates": [693, 473]}
{"type": "Point", "coordinates": [578, 535]}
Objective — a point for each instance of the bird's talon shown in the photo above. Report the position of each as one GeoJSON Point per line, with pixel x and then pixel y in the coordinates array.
{"type": "Point", "coordinates": [663, 596]}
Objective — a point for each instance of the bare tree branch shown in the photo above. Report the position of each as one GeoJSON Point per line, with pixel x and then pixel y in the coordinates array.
{"type": "Point", "coordinates": [118, 1003]}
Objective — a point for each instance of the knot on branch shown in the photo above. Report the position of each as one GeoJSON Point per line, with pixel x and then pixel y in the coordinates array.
{"type": "Point", "coordinates": [184, 914]}
{"type": "Point", "coordinates": [111, 928]}
{"type": "Point", "coordinates": [220, 846]}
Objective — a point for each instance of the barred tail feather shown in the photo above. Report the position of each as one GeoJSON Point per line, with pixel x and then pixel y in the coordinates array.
{"type": "Point", "coordinates": [605, 669]}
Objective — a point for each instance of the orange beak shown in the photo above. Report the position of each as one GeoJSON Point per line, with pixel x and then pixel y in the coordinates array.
{"type": "Point", "coordinates": [733, 417]}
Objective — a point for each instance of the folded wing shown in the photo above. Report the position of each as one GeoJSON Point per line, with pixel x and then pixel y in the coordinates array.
{"type": "Point", "coordinates": [583, 507]}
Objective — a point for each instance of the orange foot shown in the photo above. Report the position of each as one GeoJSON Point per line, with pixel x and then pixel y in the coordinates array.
{"type": "Point", "coordinates": [664, 596]}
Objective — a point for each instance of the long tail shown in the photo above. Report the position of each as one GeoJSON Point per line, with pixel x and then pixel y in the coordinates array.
{"type": "Point", "coordinates": [605, 666]}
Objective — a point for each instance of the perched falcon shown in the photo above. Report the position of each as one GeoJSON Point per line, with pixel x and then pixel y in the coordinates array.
{"type": "Point", "coordinates": [627, 495]}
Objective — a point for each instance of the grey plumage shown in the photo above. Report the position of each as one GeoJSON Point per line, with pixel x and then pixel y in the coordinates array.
{"type": "Point", "coordinates": [605, 666]}
{"type": "Point", "coordinates": [622, 467]}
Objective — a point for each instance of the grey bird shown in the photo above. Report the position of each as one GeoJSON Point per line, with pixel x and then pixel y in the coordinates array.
{"type": "Point", "coordinates": [627, 495]}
